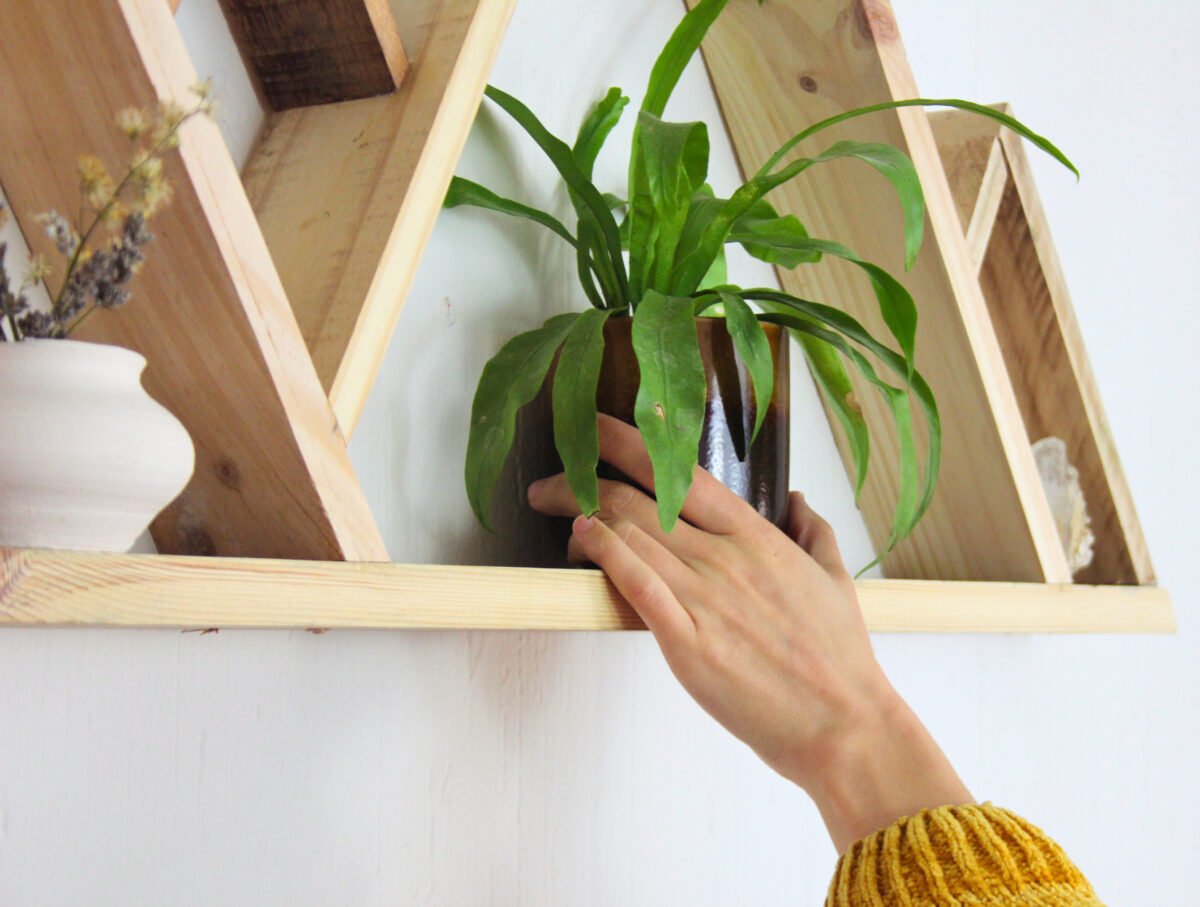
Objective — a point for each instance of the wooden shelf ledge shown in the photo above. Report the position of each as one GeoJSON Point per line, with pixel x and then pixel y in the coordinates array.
{"type": "Point", "coordinates": [72, 589]}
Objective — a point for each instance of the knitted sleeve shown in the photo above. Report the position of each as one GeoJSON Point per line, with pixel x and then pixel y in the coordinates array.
{"type": "Point", "coordinates": [979, 855]}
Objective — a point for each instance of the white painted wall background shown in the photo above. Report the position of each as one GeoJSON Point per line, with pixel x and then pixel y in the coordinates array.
{"type": "Point", "coordinates": [365, 768]}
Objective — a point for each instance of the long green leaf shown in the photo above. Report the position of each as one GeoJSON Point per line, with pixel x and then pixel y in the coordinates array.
{"type": "Point", "coordinates": [510, 379]}
{"type": "Point", "coordinates": [982, 109]}
{"type": "Point", "coordinates": [898, 168]}
{"type": "Point", "coordinates": [595, 129]}
{"type": "Point", "coordinates": [465, 192]}
{"type": "Point", "coordinates": [755, 352]}
{"type": "Point", "coordinates": [643, 234]}
{"type": "Point", "coordinates": [670, 402]}
{"type": "Point", "coordinates": [592, 255]}
{"type": "Point", "coordinates": [678, 52]}
{"type": "Point", "coordinates": [847, 325]}
{"type": "Point", "coordinates": [575, 432]}
{"type": "Point", "coordinates": [895, 303]}
{"type": "Point", "coordinates": [717, 231]}
{"type": "Point", "coordinates": [675, 164]}
{"type": "Point", "coordinates": [664, 76]}
{"type": "Point", "coordinates": [834, 382]}
{"type": "Point", "coordinates": [763, 218]}
{"type": "Point", "coordinates": [587, 270]}
{"type": "Point", "coordinates": [906, 512]}
{"type": "Point", "coordinates": [591, 201]}
{"type": "Point", "coordinates": [717, 274]}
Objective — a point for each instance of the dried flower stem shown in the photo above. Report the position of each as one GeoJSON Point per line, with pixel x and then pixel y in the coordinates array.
{"type": "Point", "coordinates": [162, 145]}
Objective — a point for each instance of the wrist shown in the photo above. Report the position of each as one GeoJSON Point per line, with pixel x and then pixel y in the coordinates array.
{"type": "Point", "coordinates": [885, 766]}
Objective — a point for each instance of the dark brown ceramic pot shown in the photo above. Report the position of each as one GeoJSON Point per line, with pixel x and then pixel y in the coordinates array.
{"type": "Point", "coordinates": [759, 475]}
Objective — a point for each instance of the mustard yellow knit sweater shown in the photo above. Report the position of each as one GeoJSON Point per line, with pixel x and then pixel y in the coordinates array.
{"type": "Point", "coordinates": [965, 856]}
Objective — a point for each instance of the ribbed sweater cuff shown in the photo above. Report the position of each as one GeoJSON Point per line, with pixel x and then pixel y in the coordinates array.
{"type": "Point", "coordinates": [959, 855]}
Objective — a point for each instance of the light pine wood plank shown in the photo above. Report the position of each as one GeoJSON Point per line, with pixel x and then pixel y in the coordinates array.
{"type": "Point", "coordinates": [347, 194]}
{"type": "Point", "coordinates": [209, 312]}
{"type": "Point", "coordinates": [307, 52]}
{"type": "Point", "coordinates": [970, 150]}
{"type": "Point", "coordinates": [781, 66]}
{"type": "Point", "coordinates": [46, 588]}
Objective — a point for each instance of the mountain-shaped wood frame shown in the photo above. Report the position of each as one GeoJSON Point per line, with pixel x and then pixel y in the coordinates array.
{"type": "Point", "coordinates": [279, 290]}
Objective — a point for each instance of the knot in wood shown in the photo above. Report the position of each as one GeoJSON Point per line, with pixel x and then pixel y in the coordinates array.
{"type": "Point", "coordinates": [228, 472]}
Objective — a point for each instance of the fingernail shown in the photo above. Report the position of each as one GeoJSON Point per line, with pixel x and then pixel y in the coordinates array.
{"type": "Point", "coordinates": [582, 524]}
{"type": "Point", "coordinates": [535, 489]}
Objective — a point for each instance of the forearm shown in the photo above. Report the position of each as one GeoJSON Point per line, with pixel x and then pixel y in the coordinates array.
{"type": "Point", "coordinates": [885, 767]}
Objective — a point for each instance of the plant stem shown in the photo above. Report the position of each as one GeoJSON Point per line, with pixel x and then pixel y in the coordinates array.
{"type": "Point", "coordinates": [78, 321]}
{"type": "Point", "coordinates": [73, 262]}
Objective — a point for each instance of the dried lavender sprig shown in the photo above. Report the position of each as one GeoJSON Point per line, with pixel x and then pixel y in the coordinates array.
{"type": "Point", "coordinates": [104, 276]}
{"type": "Point", "coordinates": [167, 140]}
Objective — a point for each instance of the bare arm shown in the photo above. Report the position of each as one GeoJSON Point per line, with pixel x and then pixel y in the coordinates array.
{"type": "Point", "coordinates": [763, 628]}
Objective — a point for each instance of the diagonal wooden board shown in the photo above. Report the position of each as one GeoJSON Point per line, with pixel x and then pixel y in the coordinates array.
{"type": "Point", "coordinates": [272, 474]}
{"type": "Point", "coordinates": [779, 67]}
{"type": "Point", "coordinates": [347, 194]}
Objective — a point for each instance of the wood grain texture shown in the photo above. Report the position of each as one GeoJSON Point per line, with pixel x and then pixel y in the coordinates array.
{"type": "Point", "coordinates": [347, 194]}
{"type": "Point", "coordinates": [52, 588]}
{"type": "Point", "coordinates": [776, 69]}
{"type": "Point", "coordinates": [307, 52]}
{"type": "Point", "coordinates": [209, 313]}
{"type": "Point", "coordinates": [1027, 296]}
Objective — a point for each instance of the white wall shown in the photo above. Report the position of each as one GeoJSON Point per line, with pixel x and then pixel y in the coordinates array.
{"type": "Point", "coordinates": [474, 768]}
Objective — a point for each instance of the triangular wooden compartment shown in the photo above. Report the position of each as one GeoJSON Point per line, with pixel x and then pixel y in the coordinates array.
{"type": "Point", "coordinates": [274, 335]}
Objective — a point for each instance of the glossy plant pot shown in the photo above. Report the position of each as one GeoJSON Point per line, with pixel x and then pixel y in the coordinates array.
{"type": "Point", "coordinates": [87, 457]}
{"type": "Point", "coordinates": [758, 474]}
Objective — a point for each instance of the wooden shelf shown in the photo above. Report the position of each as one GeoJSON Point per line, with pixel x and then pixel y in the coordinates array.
{"type": "Point", "coordinates": [277, 292]}
{"type": "Point", "coordinates": [69, 589]}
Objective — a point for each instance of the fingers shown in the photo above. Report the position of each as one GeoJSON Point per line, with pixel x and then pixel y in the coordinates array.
{"type": "Point", "coordinates": [814, 535]}
{"type": "Point", "coordinates": [553, 497]}
{"type": "Point", "coordinates": [633, 576]}
{"type": "Point", "coordinates": [709, 505]}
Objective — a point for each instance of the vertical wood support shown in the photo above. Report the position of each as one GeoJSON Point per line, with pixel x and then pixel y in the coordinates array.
{"type": "Point", "coordinates": [780, 67]}
{"type": "Point", "coordinates": [209, 312]}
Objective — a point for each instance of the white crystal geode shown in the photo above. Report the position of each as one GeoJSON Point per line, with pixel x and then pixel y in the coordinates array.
{"type": "Point", "coordinates": [1067, 504]}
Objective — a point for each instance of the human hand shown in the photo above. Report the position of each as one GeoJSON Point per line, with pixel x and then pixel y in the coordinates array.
{"type": "Point", "coordinates": [763, 629]}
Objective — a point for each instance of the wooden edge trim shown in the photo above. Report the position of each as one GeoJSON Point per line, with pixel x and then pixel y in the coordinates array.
{"type": "Point", "coordinates": [987, 206]}
{"type": "Point", "coordinates": [79, 589]}
{"type": "Point", "coordinates": [388, 291]}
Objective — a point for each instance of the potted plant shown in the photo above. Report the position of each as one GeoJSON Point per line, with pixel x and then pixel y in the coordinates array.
{"type": "Point", "coordinates": [669, 344]}
{"type": "Point", "coordinates": [87, 457]}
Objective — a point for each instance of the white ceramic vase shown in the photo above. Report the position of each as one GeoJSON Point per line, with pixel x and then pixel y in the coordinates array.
{"type": "Point", "coordinates": [87, 457]}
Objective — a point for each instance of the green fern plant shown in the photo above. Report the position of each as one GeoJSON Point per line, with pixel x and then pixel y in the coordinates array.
{"type": "Point", "coordinates": [657, 256]}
